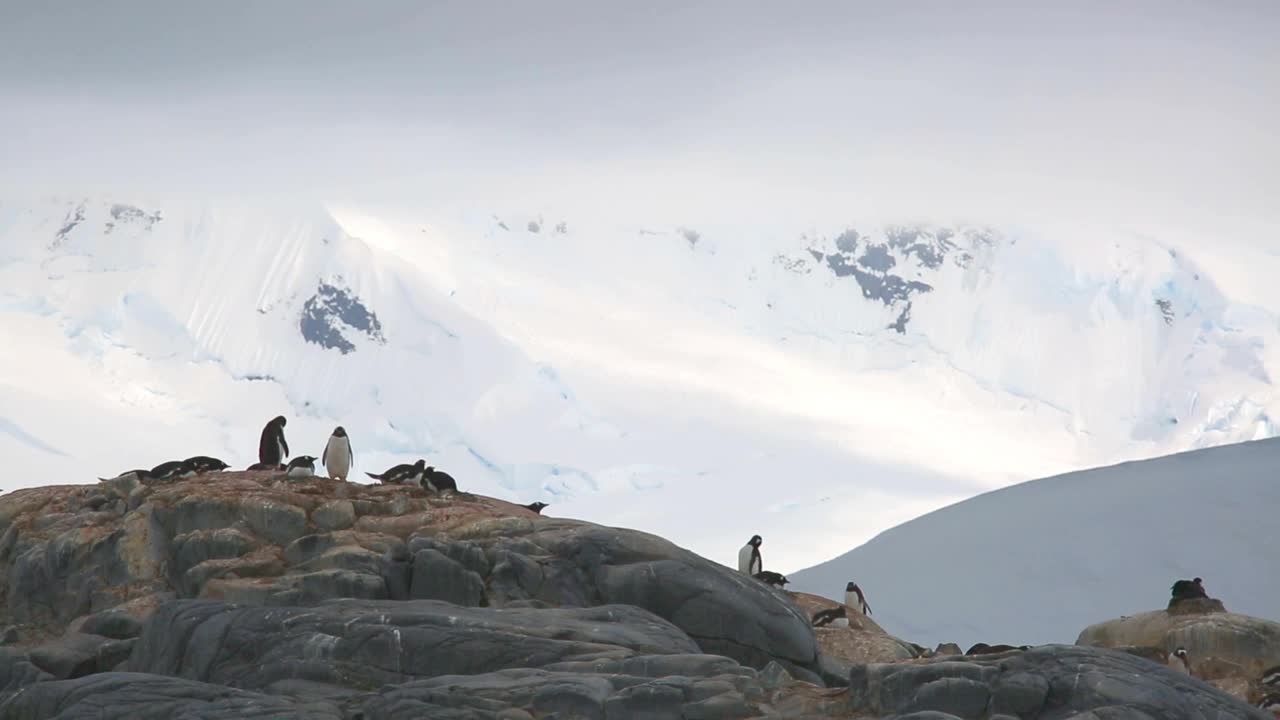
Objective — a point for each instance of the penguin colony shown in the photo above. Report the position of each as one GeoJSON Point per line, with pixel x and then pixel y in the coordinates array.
{"type": "Point", "coordinates": [337, 458]}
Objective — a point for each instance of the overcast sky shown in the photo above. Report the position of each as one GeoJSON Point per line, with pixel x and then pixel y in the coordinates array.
{"type": "Point", "coordinates": [1135, 111]}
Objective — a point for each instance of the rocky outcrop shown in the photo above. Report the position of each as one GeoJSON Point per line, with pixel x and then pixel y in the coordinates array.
{"type": "Point", "coordinates": [1052, 682]}
{"type": "Point", "coordinates": [1228, 650]}
{"type": "Point", "coordinates": [258, 539]}
{"type": "Point", "coordinates": [245, 595]}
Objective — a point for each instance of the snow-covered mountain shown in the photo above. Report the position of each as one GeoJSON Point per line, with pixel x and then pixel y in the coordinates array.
{"type": "Point", "coordinates": [1041, 560]}
{"type": "Point", "coordinates": [704, 382]}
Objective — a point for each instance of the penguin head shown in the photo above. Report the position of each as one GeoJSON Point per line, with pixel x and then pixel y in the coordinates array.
{"type": "Point", "coordinates": [339, 432]}
{"type": "Point", "coordinates": [1181, 652]}
{"type": "Point", "coordinates": [755, 541]}
{"type": "Point", "coordinates": [420, 465]}
{"type": "Point", "coordinates": [849, 587]}
{"type": "Point", "coordinates": [431, 468]}
{"type": "Point", "coordinates": [218, 465]}
{"type": "Point", "coordinates": [279, 420]}
{"type": "Point", "coordinates": [1197, 581]}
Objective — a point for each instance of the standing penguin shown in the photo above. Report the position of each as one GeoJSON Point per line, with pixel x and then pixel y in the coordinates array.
{"type": "Point", "coordinates": [338, 456]}
{"type": "Point", "coordinates": [749, 560]}
{"type": "Point", "coordinates": [854, 598]}
{"type": "Point", "coordinates": [303, 466]}
{"type": "Point", "coordinates": [272, 449]}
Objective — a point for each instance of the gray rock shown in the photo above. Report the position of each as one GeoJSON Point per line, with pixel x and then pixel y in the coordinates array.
{"type": "Point", "coordinates": [115, 624]}
{"type": "Point", "coordinates": [436, 577]}
{"type": "Point", "coordinates": [364, 644]}
{"type": "Point", "coordinates": [726, 706]}
{"type": "Point", "coordinates": [131, 696]}
{"type": "Point", "coordinates": [17, 671]}
{"type": "Point", "coordinates": [1051, 682]}
{"type": "Point", "coordinates": [9, 635]}
{"type": "Point", "coordinates": [77, 654]}
{"type": "Point", "coordinates": [334, 515]}
{"type": "Point", "coordinates": [651, 701]}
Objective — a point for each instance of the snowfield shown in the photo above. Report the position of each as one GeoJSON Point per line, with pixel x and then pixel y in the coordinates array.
{"type": "Point", "coordinates": [812, 385]}
{"type": "Point", "coordinates": [1042, 560]}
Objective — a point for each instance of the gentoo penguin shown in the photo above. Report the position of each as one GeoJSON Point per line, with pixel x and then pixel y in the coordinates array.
{"type": "Point", "coordinates": [303, 466]}
{"type": "Point", "coordinates": [1187, 589]}
{"type": "Point", "coordinates": [338, 456]}
{"type": "Point", "coordinates": [438, 480]}
{"type": "Point", "coordinates": [265, 466]}
{"type": "Point", "coordinates": [1270, 702]}
{"type": "Point", "coordinates": [172, 470]}
{"type": "Point", "coordinates": [985, 649]}
{"type": "Point", "coordinates": [1185, 662]}
{"type": "Point", "coordinates": [204, 463]}
{"type": "Point", "coordinates": [1271, 677]}
{"type": "Point", "coordinates": [769, 577]}
{"type": "Point", "coordinates": [403, 474]}
{"type": "Point", "coordinates": [749, 560]}
{"type": "Point", "coordinates": [829, 616]}
{"type": "Point", "coordinates": [854, 598]}
{"type": "Point", "coordinates": [272, 448]}
{"type": "Point", "coordinates": [536, 507]}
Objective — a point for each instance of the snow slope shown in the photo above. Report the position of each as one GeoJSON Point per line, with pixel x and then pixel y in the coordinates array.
{"type": "Point", "coordinates": [1039, 561]}
{"type": "Point", "coordinates": [704, 383]}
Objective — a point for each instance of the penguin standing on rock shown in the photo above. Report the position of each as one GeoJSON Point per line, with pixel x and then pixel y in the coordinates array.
{"type": "Point", "coordinates": [854, 598]}
{"type": "Point", "coordinates": [404, 474]}
{"type": "Point", "coordinates": [338, 456]}
{"type": "Point", "coordinates": [303, 466]}
{"type": "Point", "coordinates": [749, 560]}
{"type": "Point", "coordinates": [272, 448]}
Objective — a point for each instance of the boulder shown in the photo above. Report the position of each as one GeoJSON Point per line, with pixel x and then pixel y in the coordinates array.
{"type": "Point", "coordinates": [1051, 682]}
{"type": "Point", "coordinates": [1214, 641]}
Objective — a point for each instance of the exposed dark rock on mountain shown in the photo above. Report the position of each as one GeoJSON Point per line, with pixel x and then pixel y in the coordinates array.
{"type": "Point", "coordinates": [329, 311]}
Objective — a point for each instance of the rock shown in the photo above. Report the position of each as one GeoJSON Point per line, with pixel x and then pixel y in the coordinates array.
{"type": "Point", "coordinates": [334, 515]}
{"type": "Point", "coordinates": [77, 654]}
{"type": "Point", "coordinates": [131, 696]}
{"type": "Point", "coordinates": [115, 623]}
{"type": "Point", "coordinates": [1080, 680]}
{"type": "Point", "coordinates": [948, 649]}
{"type": "Point", "coordinates": [436, 577]}
{"type": "Point", "coordinates": [9, 635]}
{"type": "Point", "coordinates": [1219, 645]}
{"type": "Point", "coordinates": [367, 643]}
{"type": "Point", "coordinates": [17, 671]}
{"type": "Point", "coordinates": [651, 700]}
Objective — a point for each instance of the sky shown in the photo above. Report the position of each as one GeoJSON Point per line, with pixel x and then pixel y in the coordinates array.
{"type": "Point", "coordinates": [1139, 112]}
{"type": "Point", "coordinates": [1152, 117]}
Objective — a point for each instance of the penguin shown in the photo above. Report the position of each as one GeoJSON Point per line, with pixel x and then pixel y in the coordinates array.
{"type": "Point", "coordinates": [535, 506]}
{"type": "Point", "coordinates": [438, 480]}
{"type": "Point", "coordinates": [1185, 666]}
{"type": "Point", "coordinates": [829, 616]}
{"type": "Point", "coordinates": [141, 476]}
{"type": "Point", "coordinates": [403, 474]}
{"type": "Point", "coordinates": [173, 470]}
{"type": "Point", "coordinates": [749, 560]}
{"type": "Point", "coordinates": [272, 448]}
{"type": "Point", "coordinates": [265, 466]}
{"type": "Point", "coordinates": [1271, 677]}
{"type": "Point", "coordinates": [854, 598]}
{"type": "Point", "coordinates": [204, 463]}
{"type": "Point", "coordinates": [1271, 702]}
{"type": "Point", "coordinates": [338, 456]}
{"type": "Point", "coordinates": [768, 577]}
{"type": "Point", "coordinates": [303, 466]}
{"type": "Point", "coordinates": [985, 649]}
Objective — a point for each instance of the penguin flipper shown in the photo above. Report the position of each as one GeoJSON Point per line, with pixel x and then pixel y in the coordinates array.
{"type": "Point", "coordinates": [375, 477]}
{"type": "Point", "coordinates": [324, 456]}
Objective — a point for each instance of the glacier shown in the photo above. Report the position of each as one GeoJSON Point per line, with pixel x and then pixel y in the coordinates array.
{"type": "Point", "coordinates": [706, 383]}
